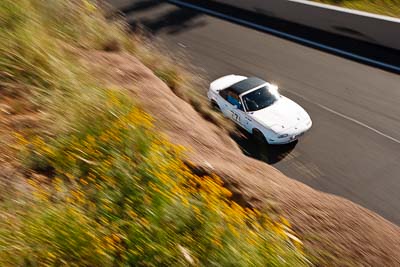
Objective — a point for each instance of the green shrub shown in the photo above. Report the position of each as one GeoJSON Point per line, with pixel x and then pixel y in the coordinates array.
{"type": "Point", "coordinates": [49, 234]}
{"type": "Point", "coordinates": [120, 178]}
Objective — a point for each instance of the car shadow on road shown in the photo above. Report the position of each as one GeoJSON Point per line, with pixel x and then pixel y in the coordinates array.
{"type": "Point", "coordinates": [171, 21]}
{"type": "Point", "coordinates": [270, 154]}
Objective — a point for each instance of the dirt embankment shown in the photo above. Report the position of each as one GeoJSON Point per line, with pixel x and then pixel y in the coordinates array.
{"type": "Point", "coordinates": [337, 231]}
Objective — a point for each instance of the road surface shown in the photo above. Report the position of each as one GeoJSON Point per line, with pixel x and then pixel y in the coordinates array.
{"type": "Point", "coordinates": [353, 149]}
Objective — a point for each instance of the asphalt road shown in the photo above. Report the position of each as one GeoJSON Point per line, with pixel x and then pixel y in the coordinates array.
{"type": "Point", "coordinates": [353, 149]}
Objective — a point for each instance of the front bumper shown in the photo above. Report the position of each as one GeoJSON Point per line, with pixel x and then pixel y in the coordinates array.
{"type": "Point", "coordinates": [289, 139]}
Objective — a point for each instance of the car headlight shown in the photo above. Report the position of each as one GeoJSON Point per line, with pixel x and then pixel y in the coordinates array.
{"type": "Point", "coordinates": [283, 135]}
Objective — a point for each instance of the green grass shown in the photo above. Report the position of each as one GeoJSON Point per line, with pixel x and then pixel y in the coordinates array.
{"type": "Point", "coordinates": [382, 7]}
{"type": "Point", "coordinates": [103, 187]}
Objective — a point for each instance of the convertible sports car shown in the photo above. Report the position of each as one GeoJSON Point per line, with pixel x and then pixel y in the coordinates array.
{"type": "Point", "coordinates": [257, 106]}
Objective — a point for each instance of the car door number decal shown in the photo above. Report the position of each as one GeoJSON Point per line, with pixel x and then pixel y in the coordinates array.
{"type": "Point", "coordinates": [235, 116]}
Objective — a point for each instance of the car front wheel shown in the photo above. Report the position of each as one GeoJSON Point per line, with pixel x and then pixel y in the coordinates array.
{"type": "Point", "coordinates": [259, 137]}
{"type": "Point", "coordinates": [215, 106]}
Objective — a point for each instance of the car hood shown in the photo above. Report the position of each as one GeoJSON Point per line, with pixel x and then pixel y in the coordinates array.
{"type": "Point", "coordinates": [283, 116]}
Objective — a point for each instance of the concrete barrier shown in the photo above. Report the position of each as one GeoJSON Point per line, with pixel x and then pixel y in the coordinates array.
{"type": "Point", "coordinates": [376, 29]}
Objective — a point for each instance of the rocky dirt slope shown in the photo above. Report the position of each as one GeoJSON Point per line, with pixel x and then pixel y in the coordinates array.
{"type": "Point", "coordinates": [334, 229]}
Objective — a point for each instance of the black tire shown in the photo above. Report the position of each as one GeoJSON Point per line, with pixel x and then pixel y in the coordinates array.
{"type": "Point", "coordinates": [215, 106]}
{"type": "Point", "coordinates": [259, 137]}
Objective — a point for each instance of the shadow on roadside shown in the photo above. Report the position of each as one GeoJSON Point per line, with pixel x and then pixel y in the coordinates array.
{"type": "Point", "coordinates": [172, 21]}
{"type": "Point", "coordinates": [180, 19]}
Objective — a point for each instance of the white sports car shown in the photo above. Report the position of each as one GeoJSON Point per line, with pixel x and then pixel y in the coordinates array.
{"type": "Point", "coordinates": [257, 106]}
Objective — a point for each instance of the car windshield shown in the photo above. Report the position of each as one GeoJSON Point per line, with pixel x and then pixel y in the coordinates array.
{"type": "Point", "coordinates": [260, 98]}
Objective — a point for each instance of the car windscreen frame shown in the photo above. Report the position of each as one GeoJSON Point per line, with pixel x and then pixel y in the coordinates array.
{"type": "Point", "coordinates": [244, 103]}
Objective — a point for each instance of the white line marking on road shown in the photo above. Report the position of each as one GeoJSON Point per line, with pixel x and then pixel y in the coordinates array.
{"type": "Point", "coordinates": [346, 117]}
{"type": "Point", "coordinates": [286, 35]}
{"type": "Point", "coordinates": [347, 10]}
